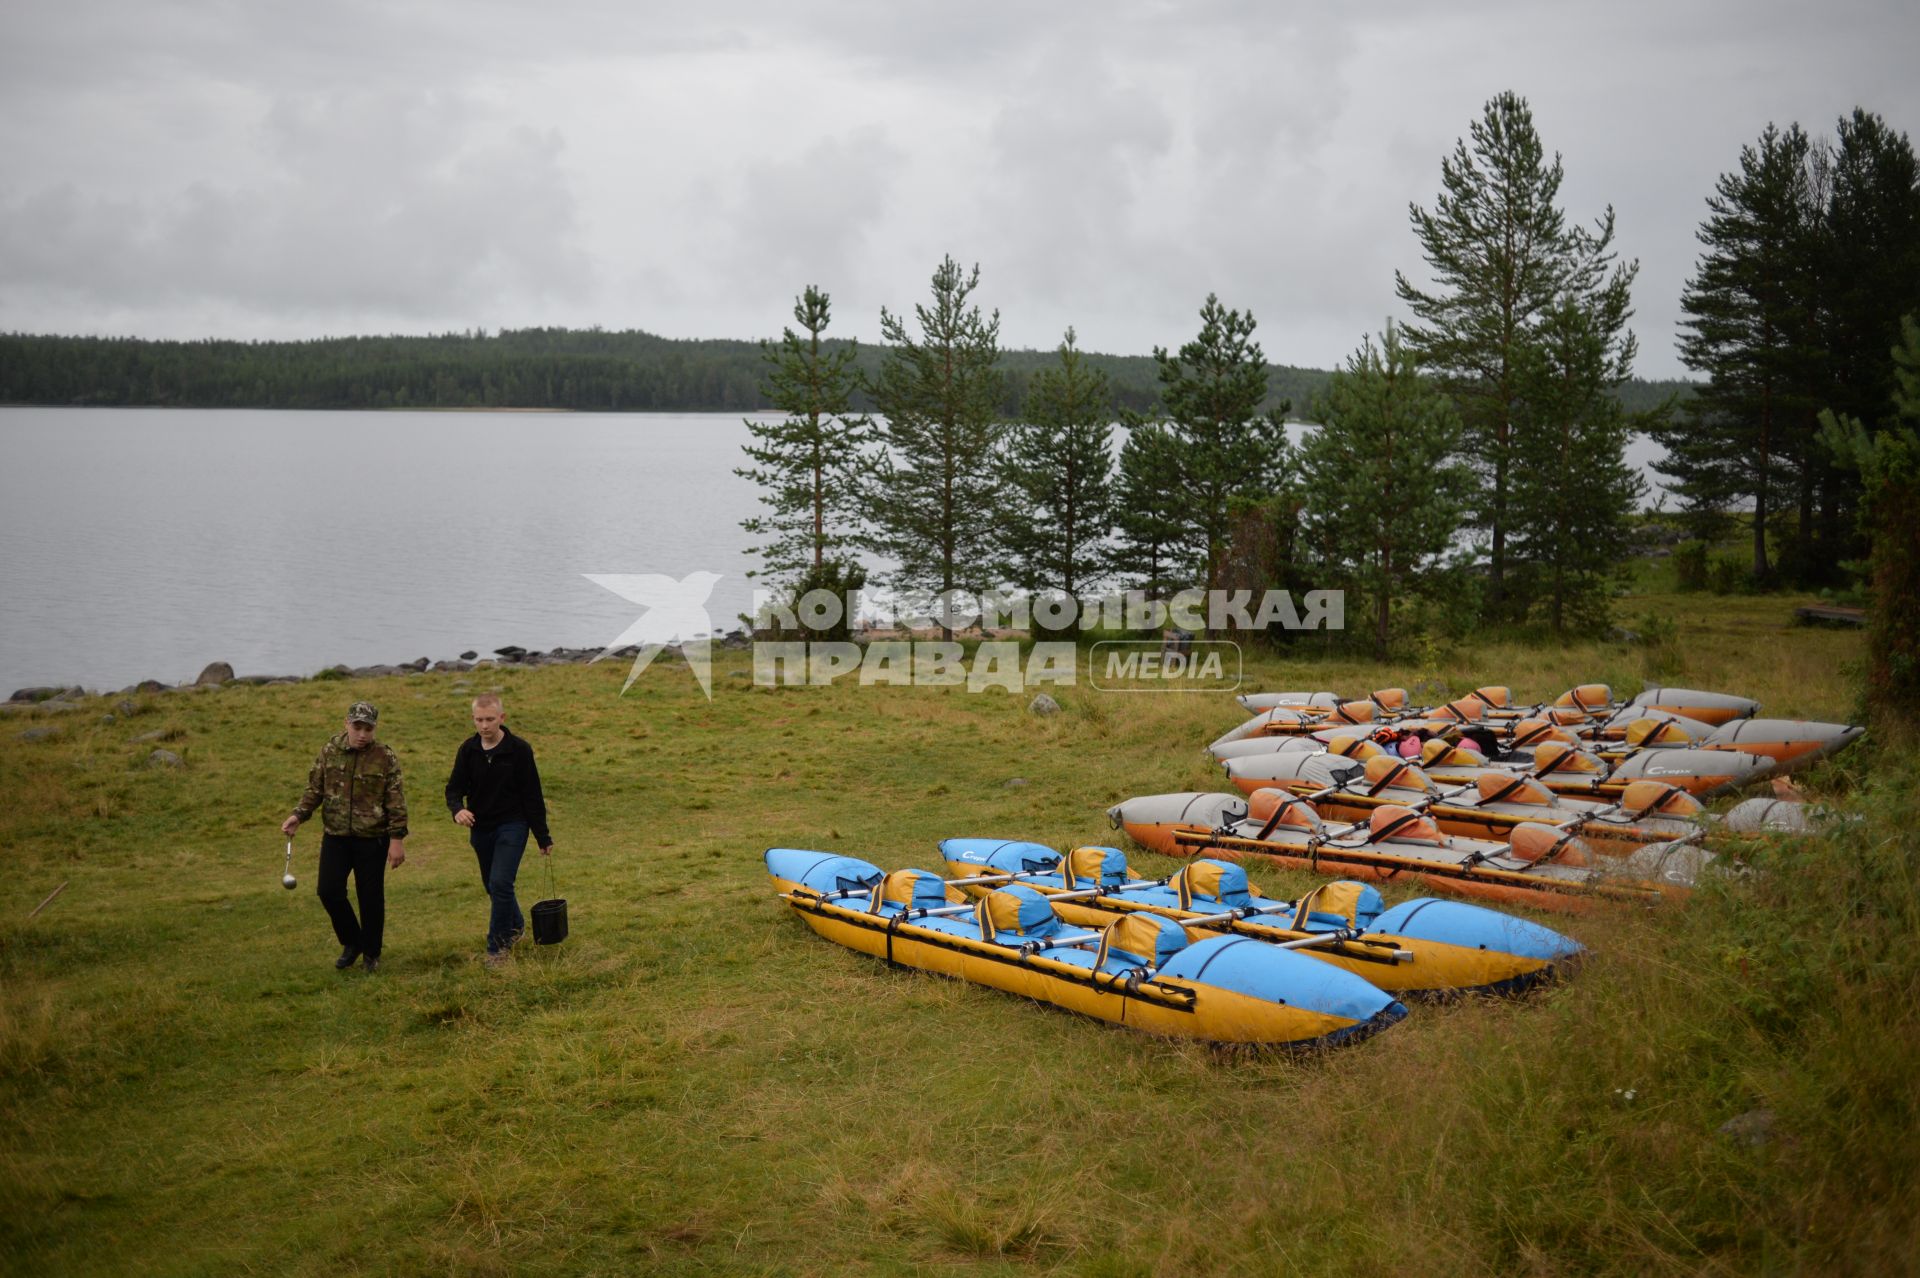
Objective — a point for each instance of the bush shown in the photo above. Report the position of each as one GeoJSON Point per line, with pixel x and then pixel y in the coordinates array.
{"type": "Point", "coordinates": [834, 577]}
{"type": "Point", "coordinates": [1690, 565]}
{"type": "Point", "coordinates": [1659, 638]}
{"type": "Point", "coordinates": [1727, 575]}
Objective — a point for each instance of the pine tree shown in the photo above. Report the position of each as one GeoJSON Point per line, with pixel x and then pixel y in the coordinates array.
{"type": "Point", "coordinates": [1059, 470]}
{"type": "Point", "coordinates": [937, 489]}
{"type": "Point", "coordinates": [808, 463]}
{"type": "Point", "coordinates": [1753, 327]}
{"type": "Point", "coordinates": [1151, 513]}
{"type": "Point", "coordinates": [1871, 273]}
{"type": "Point", "coordinates": [1573, 489]}
{"type": "Point", "coordinates": [1225, 447]}
{"type": "Point", "coordinates": [1382, 498]}
{"type": "Point", "coordinates": [1501, 255]}
{"type": "Point", "coordinates": [1873, 223]}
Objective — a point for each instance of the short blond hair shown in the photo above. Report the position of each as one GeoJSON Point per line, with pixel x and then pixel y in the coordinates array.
{"type": "Point", "coordinates": [490, 699]}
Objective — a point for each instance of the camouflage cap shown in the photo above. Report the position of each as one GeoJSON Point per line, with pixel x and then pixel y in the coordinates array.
{"type": "Point", "coordinates": [362, 712]}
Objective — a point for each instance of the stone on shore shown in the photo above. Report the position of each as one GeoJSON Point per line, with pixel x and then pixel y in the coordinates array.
{"type": "Point", "coordinates": [217, 672]}
{"type": "Point", "coordinates": [1043, 705]}
{"type": "Point", "coordinates": [41, 733]}
{"type": "Point", "coordinates": [45, 694]}
{"type": "Point", "coordinates": [164, 759]}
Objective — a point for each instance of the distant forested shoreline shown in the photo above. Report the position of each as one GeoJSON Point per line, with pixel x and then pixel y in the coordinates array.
{"type": "Point", "coordinates": [586, 370]}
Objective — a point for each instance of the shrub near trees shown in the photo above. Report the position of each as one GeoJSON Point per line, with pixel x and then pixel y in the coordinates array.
{"type": "Point", "coordinates": [1887, 461]}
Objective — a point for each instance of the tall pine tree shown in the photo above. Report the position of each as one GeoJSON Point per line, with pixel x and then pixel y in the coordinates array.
{"type": "Point", "coordinates": [808, 463]}
{"type": "Point", "coordinates": [1059, 470]}
{"type": "Point", "coordinates": [1754, 328]}
{"type": "Point", "coordinates": [937, 484]}
{"type": "Point", "coordinates": [1812, 255]}
{"type": "Point", "coordinates": [1225, 448]}
{"type": "Point", "coordinates": [1871, 271]}
{"type": "Point", "coordinates": [1500, 254]}
{"type": "Point", "coordinates": [1383, 499]}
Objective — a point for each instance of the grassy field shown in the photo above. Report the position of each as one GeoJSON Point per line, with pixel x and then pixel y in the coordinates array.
{"type": "Point", "coordinates": [694, 1083]}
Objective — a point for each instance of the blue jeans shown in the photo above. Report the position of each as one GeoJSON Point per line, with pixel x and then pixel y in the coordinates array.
{"type": "Point", "coordinates": [500, 848]}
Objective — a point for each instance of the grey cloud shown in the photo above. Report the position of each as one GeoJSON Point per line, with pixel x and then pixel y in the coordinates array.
{"type": "Point", "coordinates": [389, 203]}
{"type": "Point", "coordinates": [808, 218]}
{"type": "Point", "coordinates": [177, 167]}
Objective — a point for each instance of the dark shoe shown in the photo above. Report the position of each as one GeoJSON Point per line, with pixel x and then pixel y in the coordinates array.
{"type": "Point", "coordinates": [347, 956]}
{"type": "Point", "coordinates": [371, 963]}
{"type": "Point", "coordinates": [513, 937]}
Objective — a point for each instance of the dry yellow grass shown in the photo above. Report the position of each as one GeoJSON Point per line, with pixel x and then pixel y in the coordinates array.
{"type": "Point", "coordinates": [695, 1083]}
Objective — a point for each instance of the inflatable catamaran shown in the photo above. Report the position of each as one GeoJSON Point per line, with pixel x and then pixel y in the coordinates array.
{"type": "Point", "coordinates": [1538, 865]}
{"type": "Point", "coordinates": [1421, 947]}
{"type": "Point", "coordinates": [1665, 733]}
{"type": "Point", "coordinates": [1141, 971]}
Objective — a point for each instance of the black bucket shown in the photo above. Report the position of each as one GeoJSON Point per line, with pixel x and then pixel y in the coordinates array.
{"type": "Point", "coordinates": [549, 921]}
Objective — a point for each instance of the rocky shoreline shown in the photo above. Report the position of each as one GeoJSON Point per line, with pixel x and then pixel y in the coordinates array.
{"type": "Point", "coordinates": [219, 673]}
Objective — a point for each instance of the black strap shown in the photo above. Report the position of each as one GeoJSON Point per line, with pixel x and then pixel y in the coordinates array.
{"type": "Point", "coordinates": [1556, 764]}
{"type": "Point", "coordinates": [1394, 826]}
{"type": "Point", "coordinates": [1391, 775]}
{"type": "Point", "coordinates": [893, 925]}
{"type": "Point", "coordinates": [1273, 822]}
{"type": "Point", "coordinates": [1499, 796]}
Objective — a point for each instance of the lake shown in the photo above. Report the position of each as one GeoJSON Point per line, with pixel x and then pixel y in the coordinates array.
{"type": "Point", "coordinates": [145, 543]}
{"type": "Point", "coordinates": [142, 543]}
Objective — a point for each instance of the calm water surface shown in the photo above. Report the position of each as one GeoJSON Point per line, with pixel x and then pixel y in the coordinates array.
{"type": "Point", "coordinates": [144, 543]}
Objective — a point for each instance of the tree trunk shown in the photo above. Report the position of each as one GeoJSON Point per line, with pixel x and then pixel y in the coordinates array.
{"type": "Point", "coordinates": [1380, 624]}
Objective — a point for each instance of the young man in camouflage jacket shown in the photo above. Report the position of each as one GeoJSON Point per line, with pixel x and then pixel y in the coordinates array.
{"type": "Point", "coordinates": [356, 785]}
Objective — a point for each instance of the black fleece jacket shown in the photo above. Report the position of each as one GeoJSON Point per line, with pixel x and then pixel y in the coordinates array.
{"type": "Point", "coordinates": [498, 785]}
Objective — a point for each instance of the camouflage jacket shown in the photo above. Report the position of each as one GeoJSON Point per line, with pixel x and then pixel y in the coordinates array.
{"type": "Point", "coordinates": [358, 792]}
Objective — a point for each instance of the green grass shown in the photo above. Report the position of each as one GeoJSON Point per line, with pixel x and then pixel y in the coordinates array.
{"type": "Point", "coordinates": [694, 1083]}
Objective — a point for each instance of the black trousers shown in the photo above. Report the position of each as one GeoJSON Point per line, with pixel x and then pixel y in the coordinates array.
{"type": "Point", "coordinates": [366, 860]}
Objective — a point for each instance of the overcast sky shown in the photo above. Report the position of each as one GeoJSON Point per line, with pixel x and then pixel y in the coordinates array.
{"type": "Point", "coordinates": [250, 168]}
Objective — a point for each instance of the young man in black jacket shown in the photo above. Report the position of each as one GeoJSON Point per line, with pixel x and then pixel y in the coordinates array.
{"type": "Point", "coordinates": [495, 792]}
